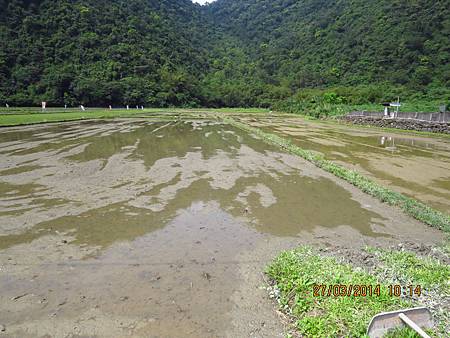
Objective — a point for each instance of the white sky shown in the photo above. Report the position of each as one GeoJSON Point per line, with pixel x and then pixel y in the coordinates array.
{"type": "Point", "coordinates": [202, 2]}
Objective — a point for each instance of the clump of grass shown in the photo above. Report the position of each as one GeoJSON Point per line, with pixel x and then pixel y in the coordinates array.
{"type": "Point", "coordinates": [401, 333]}
{"type": "Point", "coordinates": [295, 273]}
{"type": "Point", "coordinates": [406, 268]}
{"type": "Point", "coordinates": [410, 206]}
{"type": "Point", "coordinates": [424, 271]}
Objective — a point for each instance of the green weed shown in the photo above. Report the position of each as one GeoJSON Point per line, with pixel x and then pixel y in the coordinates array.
{"type": "Point", "coordinates": [296, 272]}
{"type": "Point", "coordinates": [427, 272]}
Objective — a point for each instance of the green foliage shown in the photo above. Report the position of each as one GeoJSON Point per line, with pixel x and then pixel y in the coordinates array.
{"type": "Point", "coordinates": [335, 101]}
{"type": "Point", "coordinates": [295, 273]}
{"type": "Point", "coordinates": [317, 43]}
{"type": "Point", "coordinates": [101, 52]}
{"type": "Point", "coordinates": [427, 272]}
{"type": "Point", "coordinates": [402, 333]}
{"type": "Point", "coordinates": [333, 98]}
{"type": "Point", "coordinates": [310, 56]}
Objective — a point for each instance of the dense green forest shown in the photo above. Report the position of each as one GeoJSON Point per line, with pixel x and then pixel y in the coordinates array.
{"type": "Point", "coordinates": [271, 53]}
{"type": "Point", "coordinates": [101, 52]}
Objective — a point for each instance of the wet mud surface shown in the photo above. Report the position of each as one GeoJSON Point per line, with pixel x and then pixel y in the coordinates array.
{"type": "Point", "coordinates": [138, 228]}
{"type": "Point", "coordinates": [414, 165]}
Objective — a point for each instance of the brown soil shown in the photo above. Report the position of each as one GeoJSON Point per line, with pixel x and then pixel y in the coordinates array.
{"type": "Point", "coordinates": [131, 228]}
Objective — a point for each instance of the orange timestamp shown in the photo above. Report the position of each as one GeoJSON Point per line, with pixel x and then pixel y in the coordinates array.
{"type": "Point", "coordinates": [358, 290]}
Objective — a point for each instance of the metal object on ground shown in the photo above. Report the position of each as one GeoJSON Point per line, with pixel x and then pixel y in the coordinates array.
{"type": "Point", "coordinates": [417, 319]}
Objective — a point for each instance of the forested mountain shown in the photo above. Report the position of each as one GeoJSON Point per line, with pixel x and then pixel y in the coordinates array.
{"type": "Point", "coordinates": [101, 51]}
{"type": "Point", "coordinates": [323, 42]}
{"type": "Point", "coordinates": [231, 52]}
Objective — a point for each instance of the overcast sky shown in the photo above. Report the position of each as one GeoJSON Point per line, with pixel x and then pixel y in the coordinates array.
{"type": "Point", "coordinates": [202, 2]}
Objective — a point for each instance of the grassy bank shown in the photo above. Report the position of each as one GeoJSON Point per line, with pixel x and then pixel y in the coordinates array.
{"type": "Point", "coordinates": [24, 116]}
{"type": "Point", "coordinates": [314, 313]}
{"type": "Point", "coordinates": [410, 206]}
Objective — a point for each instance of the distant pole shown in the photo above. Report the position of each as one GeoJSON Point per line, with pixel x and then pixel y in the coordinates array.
{"type": "Point", "coordinates": [398, 105]}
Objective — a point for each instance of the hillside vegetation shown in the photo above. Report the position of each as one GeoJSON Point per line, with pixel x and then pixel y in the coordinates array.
{"type": "Point", "coordinates": [287, 54]}
{"type": "Point", "coordinates": [101, 52]}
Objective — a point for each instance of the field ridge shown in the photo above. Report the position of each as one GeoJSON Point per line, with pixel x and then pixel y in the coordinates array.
{"type": "Point", "coordinates": [410, 206]}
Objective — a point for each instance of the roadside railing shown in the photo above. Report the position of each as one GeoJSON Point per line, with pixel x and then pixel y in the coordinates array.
{"type": "Point", "coordinates": [425, 117]}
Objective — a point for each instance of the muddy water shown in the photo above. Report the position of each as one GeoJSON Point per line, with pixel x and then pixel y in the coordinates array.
{"type": "Point", "coordinates": [161, 229]}
{"type": "Point", "coordinates": [414, 165]}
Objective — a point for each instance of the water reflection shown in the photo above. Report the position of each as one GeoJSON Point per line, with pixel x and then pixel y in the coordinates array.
{"type": "Point", "coordinates": [117, 182]}
{"type": "Point", "coordinates": [414, 165]}
{"type": "Point", "coordinates": [392, 143]}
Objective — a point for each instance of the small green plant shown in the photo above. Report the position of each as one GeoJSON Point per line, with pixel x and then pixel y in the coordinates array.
{"type": "Point", "coordinates": [401, 333]}
{"type": "Point", "coordinates": [295, 275]}
{"type": "Point", "coordinates": [296, 272]}
{"type": "Point", "coordinates": [427, 272]}
{"type": "Point", "coordinates": [333, 98]}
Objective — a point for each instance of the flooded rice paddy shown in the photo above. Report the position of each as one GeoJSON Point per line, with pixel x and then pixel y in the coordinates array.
{"type": "Point", "coordinates": [162, 229]}
{"type": "Point", "coordinates": [416, 166]}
